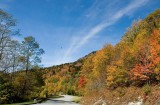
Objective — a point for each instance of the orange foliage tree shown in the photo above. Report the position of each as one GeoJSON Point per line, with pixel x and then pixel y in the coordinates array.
{"type": "Point", "coordinates": [155, 52]}
{"type": "Point", "coordinates": [82, 82]}
{"type": "Point", "coordinates": [148, 60]}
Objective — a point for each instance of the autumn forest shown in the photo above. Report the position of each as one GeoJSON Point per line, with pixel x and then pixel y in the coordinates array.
{"type": "Point", "coordinates": [117, 73]}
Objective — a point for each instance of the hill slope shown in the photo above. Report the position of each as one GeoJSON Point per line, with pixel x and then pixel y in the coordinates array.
{"type": "Point", "coordinates": [64, 78]}
{"type": "Point", "coordinates": [134, 63]}
{"type": "Point", "coordinates": [120, 74]}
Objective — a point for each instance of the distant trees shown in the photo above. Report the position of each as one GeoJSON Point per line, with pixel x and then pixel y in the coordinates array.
{"type": "Point", "coordinates": [61, 79]}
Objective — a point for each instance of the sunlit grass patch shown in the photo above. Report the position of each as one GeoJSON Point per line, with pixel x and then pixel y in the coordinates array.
{"type": "Point", "coordinates": [76, 99]}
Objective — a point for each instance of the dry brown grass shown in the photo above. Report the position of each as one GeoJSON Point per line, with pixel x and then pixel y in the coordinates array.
{"type": "Point", "coordinates": [123, 95]}
{"type": "Point", "coordinates": [154, 97]}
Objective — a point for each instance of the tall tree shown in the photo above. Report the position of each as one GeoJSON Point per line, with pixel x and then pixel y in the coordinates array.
{"type": "Point", "coordinates": [101, 60]}
{"type": "Point", "coordinates": [6, 24]}
{"type": "Point", "coordinates": [30, 53]}
{"type": "Point", "coordinates": [6, 31]}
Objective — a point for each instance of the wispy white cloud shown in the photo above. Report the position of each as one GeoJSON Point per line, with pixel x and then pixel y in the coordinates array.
{"type": "Point", "coordinates": [106, 22]}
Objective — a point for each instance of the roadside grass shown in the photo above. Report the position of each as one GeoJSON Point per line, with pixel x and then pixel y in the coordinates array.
{"type": "Point", "coordinates": [76, 99]}
{"type": "Point", "coordinates": [124, 95]}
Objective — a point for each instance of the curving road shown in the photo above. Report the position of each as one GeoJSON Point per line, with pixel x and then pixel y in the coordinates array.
{"type": "Point", "coordinates": [66, 100]}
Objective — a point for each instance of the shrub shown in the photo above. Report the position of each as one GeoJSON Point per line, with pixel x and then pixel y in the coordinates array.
{"type": "Point", "coordinates": [146, 89]}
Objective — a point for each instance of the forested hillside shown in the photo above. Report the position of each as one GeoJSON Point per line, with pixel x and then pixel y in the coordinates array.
{"type": "Point", "coordinates": [65, 78]}
{"type": "Point", "coordinates": [130, 69]}
{"type": "Point", "coordinates": [118, 74]}
{"type": "Point", "coordinates": [134, 63]}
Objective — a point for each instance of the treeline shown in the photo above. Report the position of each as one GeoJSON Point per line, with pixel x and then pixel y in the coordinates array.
{"type": "Point", "coordinates": [63, 79]}
{"type": "Point", "coordinates": [17, 85]}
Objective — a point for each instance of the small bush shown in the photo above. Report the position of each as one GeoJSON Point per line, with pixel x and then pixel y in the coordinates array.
{"type": "Point", "coordinates": [146, 89]}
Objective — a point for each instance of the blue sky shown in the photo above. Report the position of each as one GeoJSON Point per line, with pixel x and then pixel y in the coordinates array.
{"type": "Point", "coordinates": [69, 29]}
